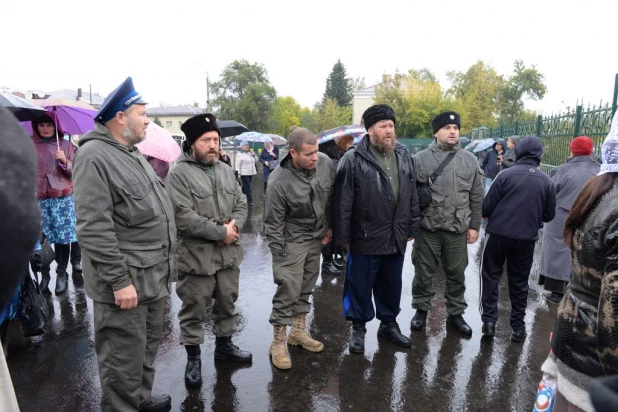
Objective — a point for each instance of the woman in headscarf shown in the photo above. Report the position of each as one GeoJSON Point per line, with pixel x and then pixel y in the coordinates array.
{"type": "Point", "coordinates": [268, 158]}
{"type": "Point", "coordinates": [55, 193]}
{"type": "Point", "coordinates": [584, 342]}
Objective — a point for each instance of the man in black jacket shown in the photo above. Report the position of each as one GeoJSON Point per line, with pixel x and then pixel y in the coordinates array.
{"type": "Point", "coordinates": [378, 214]}
{"type": "Point", "coordinates": [518, 201]}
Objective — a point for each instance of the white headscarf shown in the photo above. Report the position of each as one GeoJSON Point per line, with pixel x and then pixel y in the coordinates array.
{"type": "Point", "coordinates": [610, 149]}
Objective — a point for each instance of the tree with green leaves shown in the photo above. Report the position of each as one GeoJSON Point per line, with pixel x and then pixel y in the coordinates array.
{"type": "Point", "coordinates": [525, 82]}
{"type": "Point", "coordinates": [477, 92]}
{"type": "Point", "coordinates": [244, 93]}
{"type": "Point", "coordinates": [339, 86]}
{"type": "Point", "coordinates": [157, 121]}
{"type": "Point", "coordinates": [416, 97]}
{"type": "Point", "coordinates": [329, 114]}
{"type": "Point", "coordinates": [286, 113]}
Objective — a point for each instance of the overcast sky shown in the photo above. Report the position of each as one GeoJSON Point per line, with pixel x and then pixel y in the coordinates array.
{"type": "Point", "coordinates": [168, 49]}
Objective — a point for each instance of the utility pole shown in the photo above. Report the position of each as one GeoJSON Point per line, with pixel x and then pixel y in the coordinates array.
{"type": "Point", "coordinates": [208, 109]}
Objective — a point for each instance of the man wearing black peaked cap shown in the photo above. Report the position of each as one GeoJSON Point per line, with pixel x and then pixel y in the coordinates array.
{"type": "Point", "coordinates": [126, 228]}
{"type": "Point", "coordinates": [210, 209]}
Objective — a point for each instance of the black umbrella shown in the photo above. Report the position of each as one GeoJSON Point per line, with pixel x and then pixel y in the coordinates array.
{"type": "Point", "coordinates": [231, 128]}
{"type": "Point", "coordinates": [21, 108]}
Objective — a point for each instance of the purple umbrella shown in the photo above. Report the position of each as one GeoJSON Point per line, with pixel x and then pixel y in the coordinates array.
{"type": "Point", "coordinates": [72, 120]}
{"type": "Point", "coordinates": [356, 131]}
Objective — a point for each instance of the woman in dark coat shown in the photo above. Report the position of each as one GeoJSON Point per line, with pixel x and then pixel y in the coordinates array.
{"type": "Point", "coordinates": [569, 178]}
{"type": "Point", "coordinates": [268, 158]}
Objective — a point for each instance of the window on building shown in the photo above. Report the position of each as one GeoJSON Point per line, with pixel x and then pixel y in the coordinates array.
{"type": "Point", "coordinates": [168, 124]}
{"type": "Point", "coordinates": [179, 124]}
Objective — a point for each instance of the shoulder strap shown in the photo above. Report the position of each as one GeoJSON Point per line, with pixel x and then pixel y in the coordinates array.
{"type": "Point", "coordinates": [440, 168]}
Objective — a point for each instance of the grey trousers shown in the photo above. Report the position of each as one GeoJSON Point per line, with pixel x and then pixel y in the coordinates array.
{"type": "Point", "coordinates": [126, 343]}
{"type": "Point", "coordinates": [295, 275]}
{"type": "Point", "coordinates": [196, 293]}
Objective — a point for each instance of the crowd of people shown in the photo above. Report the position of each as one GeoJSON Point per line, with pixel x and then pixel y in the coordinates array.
{"type": "Point", "coordinates": [346, 207]}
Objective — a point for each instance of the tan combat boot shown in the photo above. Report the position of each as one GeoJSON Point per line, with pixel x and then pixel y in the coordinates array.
{"type": "Point", "coordinates": [279, 348]}
{"type": "Point", "coordinates": [299, 336]}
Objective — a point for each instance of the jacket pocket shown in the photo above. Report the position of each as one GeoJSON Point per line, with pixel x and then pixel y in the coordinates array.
{"type": "Point", "coordinates": [229, 195]}
{"type": "Point", "coordinates": [300, 208]}
{"type": "Point", "coordinates": [147, 264]}
{"type": "Point", "coordinates": [464, 179]}
{"type": "Point", "coordinates": [463, 216]}
{"type": "Point", "coordinates": [196, 258]}
{"type": "Point", "coordinates": [136, 206]}
{"type": "Point", "coordinates": [203, 200]}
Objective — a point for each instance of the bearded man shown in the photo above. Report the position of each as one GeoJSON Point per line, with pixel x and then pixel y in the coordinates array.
{"type": "Point", "coordinates": [378, 215]}
{"type": "Point", "coordinates": [125, 226]}
{"type": "Point", "coordinates": [210, 209]}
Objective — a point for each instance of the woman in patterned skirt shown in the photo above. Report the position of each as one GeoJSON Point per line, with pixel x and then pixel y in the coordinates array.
{"type": "Point", "coordinates": [55, 193]}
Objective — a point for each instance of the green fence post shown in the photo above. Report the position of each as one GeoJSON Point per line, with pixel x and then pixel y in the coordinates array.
{"type": "Point", "coordinates": [615, 103]}
{"type": "Point", "coordinates": [539, 125]}
{"type": "Point", "coordinates": [502, 131]}
{"type": "Point", "coordinates": [578, 120]}
{"type": "Point", "coordinates": [517, 128]}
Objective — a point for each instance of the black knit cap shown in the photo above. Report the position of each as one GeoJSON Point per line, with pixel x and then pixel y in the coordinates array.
{"type": "Point", "coordinates": [376, 113]}
{"type": "Point", "coordinates": [196, 126]}
{"type": "Point", "coordinates": [443, 119]}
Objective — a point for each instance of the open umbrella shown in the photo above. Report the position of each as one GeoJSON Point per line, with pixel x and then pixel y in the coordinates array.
{"type": "Point", "coordinates": [231, 128]}
{"type": "Point", "coordinates": [278, 140]}
{"type": "Point", "coordinates": [21, 108]}
{"type": "Point", "coordinates": [334, 134]}
{"type": "Point", "coordinates": [72, 120]}
{"type": "Point", "coordinates": [159, 143]}
{"type": "Point", "coordinates": [483, 145]}
{"type": "Point", "coordinates": [253, 137]}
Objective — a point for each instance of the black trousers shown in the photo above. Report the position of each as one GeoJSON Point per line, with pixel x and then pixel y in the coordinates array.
{"type": "Point", "coordinates": [246, 187]}
{"type": "Point", "coordinates": [518, 255]}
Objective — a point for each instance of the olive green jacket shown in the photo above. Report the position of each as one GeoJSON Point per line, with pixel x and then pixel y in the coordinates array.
{"type": "Point", "coordinates": [200, 209]}
{"type": "Point", "coordinates": [125, 223]}
{"type": "Point", "coordinates": [298, 202]}
{"type": "Point", "coordinates": [456, 195]}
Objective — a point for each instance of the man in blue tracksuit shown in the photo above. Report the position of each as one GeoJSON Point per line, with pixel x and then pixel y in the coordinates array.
{"type": "Point", "coordinates": [520, 198]}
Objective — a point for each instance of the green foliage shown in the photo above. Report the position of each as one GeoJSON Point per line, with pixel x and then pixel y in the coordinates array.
{"type": "Point", "coordinates": [157, 121]}
{"type": "Point", "coordinates": [416, 98]}
{"type": "Point", "coordinates": [338, 86]}
{"type": "Point", "coordinates": [329, 114]}
{"type": "Point", "coordinates": [358, 84]}
{"type": "Point", "coordinates": [526, 82]}
{"type": "Point", "coordinates": [245, 94]}
{"type": "Point", "coordinates": [286, 113]}
{"type": "Point", "coordinates": [477, 92]}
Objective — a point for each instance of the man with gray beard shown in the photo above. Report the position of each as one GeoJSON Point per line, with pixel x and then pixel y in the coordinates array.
{"type": "Point", "coordinates": [210, 209]}
{"type": "Point", "coordinates": [378, 215]}
{"type": "Point", "coordinates": [126, 229]}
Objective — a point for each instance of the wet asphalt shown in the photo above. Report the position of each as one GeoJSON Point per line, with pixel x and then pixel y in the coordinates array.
{"type": "Point", "coordinates": [441, 372]}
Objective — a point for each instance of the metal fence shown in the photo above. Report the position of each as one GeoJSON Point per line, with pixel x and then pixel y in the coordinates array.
{"type": "Point", "coordinates": [557, 130]}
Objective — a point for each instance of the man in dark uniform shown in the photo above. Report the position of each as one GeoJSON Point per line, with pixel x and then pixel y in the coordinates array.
{"type": "Point", "coordinates": [125, 226]}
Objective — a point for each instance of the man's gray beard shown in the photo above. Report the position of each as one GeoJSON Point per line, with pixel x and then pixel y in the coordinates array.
{"type": "Point", "coordinates": [203, 159]}
{"type": "Point", "coordinates": [128, 135]}
{"type": "Point", "coordinates": [384, 147]}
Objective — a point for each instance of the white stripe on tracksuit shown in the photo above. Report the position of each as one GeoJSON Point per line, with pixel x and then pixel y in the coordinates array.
{"type": "Point", "coordinates": [481, 276]}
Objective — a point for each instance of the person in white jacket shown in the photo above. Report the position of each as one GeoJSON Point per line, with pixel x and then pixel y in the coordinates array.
{"type": "Point", "coordinates": [245, 165]}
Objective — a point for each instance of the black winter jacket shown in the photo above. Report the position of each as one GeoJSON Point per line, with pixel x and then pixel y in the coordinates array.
{"type": "Point", "coordinates": [368, 220]}
{"type": "Point", "coordinates": [490, 165]}
{"type": "Point", "coordinates": [516, 210]}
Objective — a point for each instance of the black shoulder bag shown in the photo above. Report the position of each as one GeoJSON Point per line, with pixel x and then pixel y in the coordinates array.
{"type": "Point", "coordinates": [424, 189]}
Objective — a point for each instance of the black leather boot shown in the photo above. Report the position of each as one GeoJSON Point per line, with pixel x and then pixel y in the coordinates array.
{"type": "Point", "coordinates": [390, 331]}
{"type": "Point", "coordinates": [458, 322]}
{"type": "Point", "coordinates": [357, 338]}
{"type": "Point", "coordinates": [157, 403]}
{"type": "Point", "coordinates": [193, 371]}
{"type": "Point", "coordinates": [45, 278]}
{"type": "Point", "coordinates": [489, 329]}
{"type": "Point", "coordinates": [226, 350]}
{"type": "Point", "coordinates": [61, 281]}
{"type": "Point", "coordinates": [419, 321]}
